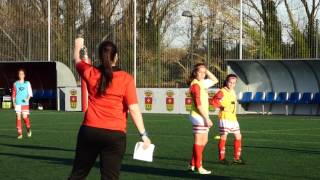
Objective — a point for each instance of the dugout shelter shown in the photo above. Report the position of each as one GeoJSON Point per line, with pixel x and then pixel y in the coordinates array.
{"type": "Point", "coordinates": [46, 79]}
{"type": "Point", "coordinates": [277, 86]}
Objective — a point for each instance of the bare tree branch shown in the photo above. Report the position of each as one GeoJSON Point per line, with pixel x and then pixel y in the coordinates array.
{"type": "Point", "coordinates": [254, 6]}
{"type": "Point", "coordinates": [305, 4]}
{"type": "Point", "coordinates": [13, 43]}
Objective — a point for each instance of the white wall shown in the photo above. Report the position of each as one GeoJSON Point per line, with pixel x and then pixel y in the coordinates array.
{"type": "Point", "coordinates": [162, 96]}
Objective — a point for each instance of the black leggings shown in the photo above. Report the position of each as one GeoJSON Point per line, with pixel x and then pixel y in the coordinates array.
{"type": "Point", "coordinates": [108, 144]}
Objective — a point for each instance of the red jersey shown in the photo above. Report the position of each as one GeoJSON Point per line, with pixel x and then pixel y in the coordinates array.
{"type": "Point", "coordinates": [108, 111]}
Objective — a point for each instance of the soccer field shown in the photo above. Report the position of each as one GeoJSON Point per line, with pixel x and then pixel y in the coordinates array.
{"type": "Point", "coordinates": [275, 147]}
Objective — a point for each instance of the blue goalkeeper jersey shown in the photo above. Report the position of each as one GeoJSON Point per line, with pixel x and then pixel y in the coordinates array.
{"type": "Point", "coordinates": [21, 91]}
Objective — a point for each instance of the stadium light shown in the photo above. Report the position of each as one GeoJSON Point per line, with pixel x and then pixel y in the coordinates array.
{"type": "Point", "coordinates": [187, 14]}
{"type": "Point", "coordinates": [190, 15]}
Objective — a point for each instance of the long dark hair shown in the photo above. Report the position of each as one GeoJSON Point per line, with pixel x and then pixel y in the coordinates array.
{"type": "Point", "coordinates": [194, 71]}
{"type": "Point", "coordinates": [107, 53]}
{"type": "Point", "coordinates": [227, 79]}
{"type": "Point", "coordinates": [21, 69]}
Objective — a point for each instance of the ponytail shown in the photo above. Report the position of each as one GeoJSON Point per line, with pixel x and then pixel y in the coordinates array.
{"type": "Point", "coordinates": [107, 54]}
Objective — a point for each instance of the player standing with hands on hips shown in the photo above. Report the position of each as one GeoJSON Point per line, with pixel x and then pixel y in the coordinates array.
{"type": "Point", "coordinates": [225, 99]}
{"type": "Point", "coordinates": [21, 94]}
{"type": "Point", "coordinates": [112, 93]}
{"type": "Point", "coordinates": [199, 115]}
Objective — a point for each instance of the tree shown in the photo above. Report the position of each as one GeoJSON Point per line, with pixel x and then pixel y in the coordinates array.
{"type": "Point", "coordinates": [271, 26]}
{"type": "Point", "coordinates": [299, 47]}
{"type": "Point", "coordinates": [154, 18]}
{"type": "Point", "coordinates": [311, 10]}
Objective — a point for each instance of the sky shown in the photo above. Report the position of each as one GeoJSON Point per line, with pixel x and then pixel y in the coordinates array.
{"type": "Point", "coordinates": [178, 34]}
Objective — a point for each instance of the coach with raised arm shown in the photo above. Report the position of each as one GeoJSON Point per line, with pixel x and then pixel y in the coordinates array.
{"type": "Point", "coordinates": [112, 93]}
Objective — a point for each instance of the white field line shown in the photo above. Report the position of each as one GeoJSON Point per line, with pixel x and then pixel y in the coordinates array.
{"type": "Point", "coordinates": [280, 130]}
{"type": "Point", "coordinates": [172, 136]}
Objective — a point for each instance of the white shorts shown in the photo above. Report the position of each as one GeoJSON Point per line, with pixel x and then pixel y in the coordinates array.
{"type": "Point", "coordinates": [198, 125]}
{"type": "Point", "coordinates": [227, 126]}
{"type": "Point", "coordinates": [24, 109]}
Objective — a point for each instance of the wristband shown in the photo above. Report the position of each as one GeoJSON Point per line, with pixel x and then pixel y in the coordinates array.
{"type": "Point", "coordinates": [83, 53]}
{"type": "Point", "coordinates": [145, 133]}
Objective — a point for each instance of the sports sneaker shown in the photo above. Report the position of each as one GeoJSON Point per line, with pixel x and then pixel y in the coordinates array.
{"type": "Point", "coordinates": [29, 133]}
{"type": "Point", "coordinates": [238, 162]}
{"type": "Point", "coordinates": [201, 170]}
{"type": "Point", "coordinates": [224, 162]}
{"type": "Point", "coordinates": [191, 168]}
{"type": "Point", "coordinates": [19, 136]}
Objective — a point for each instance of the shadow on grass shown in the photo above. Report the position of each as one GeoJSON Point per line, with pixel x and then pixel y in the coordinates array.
{"type": "Point", "coordinates": [145, 170]}
{"type": "Point", "coordinates": [128, 155]}
{"type": "Point", "coordinates": [185, 160]}
{"type": "Point", "coordinates": [7, 136]}
{"type": "Point", "coordinates": [167, 172]}
{"type": "Point", "coordinates": [57, 160]}
{"type": "Point", "coordinates": [36, 147]}
{"type": "Point", "coordinates": [285, 149]}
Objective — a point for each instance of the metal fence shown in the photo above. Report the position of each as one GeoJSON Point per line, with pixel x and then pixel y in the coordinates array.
{"type": "Point", "coordinates": [271, 30]}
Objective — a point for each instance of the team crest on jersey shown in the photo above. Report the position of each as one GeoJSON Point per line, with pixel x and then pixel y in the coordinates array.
{"type": "Point", "coordinates": [148, 100]}
{"type": "Point", "coordinates": [73, 99]}
{"type": "Point", "coordinates": [188, 101]}
{"type": "Point", "coordinates": [170, 100]}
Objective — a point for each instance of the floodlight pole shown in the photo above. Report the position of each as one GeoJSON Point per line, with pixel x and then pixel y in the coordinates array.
{"type": "Point", "coordinates": [192, 62]}
{"type": "Point", "coordinates": [49, 30]}
{"type": "Point", "coordinates": [317, 43]}
{"type": "Point", "coordinates": [135, 41]}
{"type": "Point", "coordinates": [240, 50]}
{"type": "Point", "coordinates": [260, 26]}
{"type": "Point", "coordinates": [190, 15]}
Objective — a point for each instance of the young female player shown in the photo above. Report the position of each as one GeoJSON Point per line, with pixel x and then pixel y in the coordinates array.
{"type": "Point", "coordinates": [226, 99]}
{"type": "Point", "coordinates": [21, 94]}
{"type": "Point", "coordinates": [199, 115]}
{"type": "Point", "coordinates": [112, 93]}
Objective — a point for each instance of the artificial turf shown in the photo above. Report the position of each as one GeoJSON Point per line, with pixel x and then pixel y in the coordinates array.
{"type": "Point", "coordinates": [274, 147]}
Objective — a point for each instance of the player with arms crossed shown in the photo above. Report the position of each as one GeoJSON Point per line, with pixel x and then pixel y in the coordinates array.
{"type": "Point", "coordinates": [199, 115]}
{"type": "Point", "coordinates": [21, 94]}
{"type": "Point", "coordinates": [225, 99]}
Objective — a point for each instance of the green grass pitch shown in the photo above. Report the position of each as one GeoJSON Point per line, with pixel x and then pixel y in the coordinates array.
{"type": "Point", "coordinates": [274, 147]}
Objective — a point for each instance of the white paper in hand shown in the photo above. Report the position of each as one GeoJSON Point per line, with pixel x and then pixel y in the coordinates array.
{"type": "Point", "coordinates": [143, 154]}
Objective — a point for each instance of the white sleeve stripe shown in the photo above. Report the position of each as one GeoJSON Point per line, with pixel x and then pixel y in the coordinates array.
{"type": "Point", "coordinates": [30, 90]}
